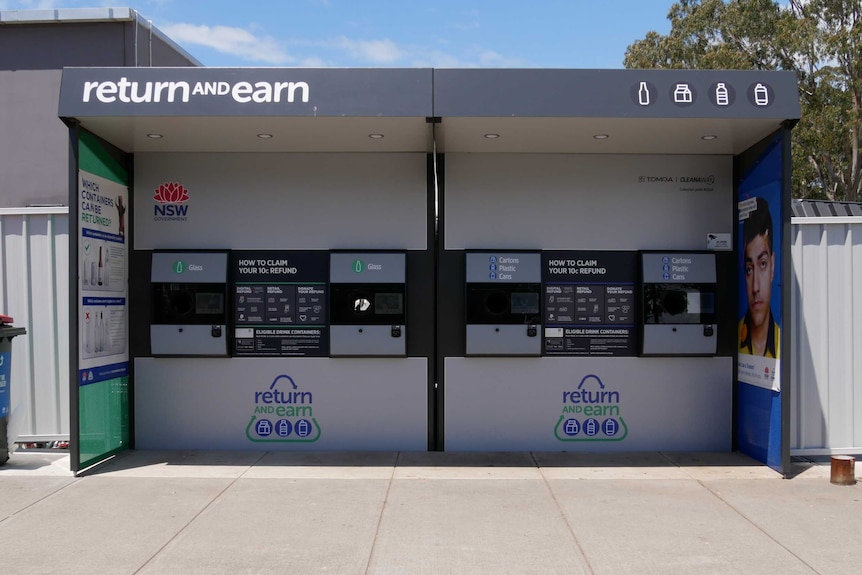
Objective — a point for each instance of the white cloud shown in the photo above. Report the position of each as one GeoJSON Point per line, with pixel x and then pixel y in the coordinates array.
{"type": "Point", "coordinates": [439, 59]}
{"type": "Point", "coordinates": [491, 59]}
{"type": "Point", "coordinates": [229, 40]}
{"type": "Point", "coordinates": [475, 58]}
{"type": "Point", "coordinates": [312, 62]}
{"type": "Point", "coordinates": [377, 51]}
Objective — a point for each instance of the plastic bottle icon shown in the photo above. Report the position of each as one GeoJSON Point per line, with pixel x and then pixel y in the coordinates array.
{"type": "Point", "coordinates": [100, 265]}
{"type": "Point", "coordinates": [106, 344]}
{"type": "Point", "coordinates": [761, 95]}
{"type": "Point", "coordinates": [107, 266]}
{"type": "Point", "coordinates": [97, 332]}
{"type": "Point", "coordinates": [721, 96]}
{"type": "Point", "coordinates": [283, 428]}
{"type": "Point", "coordinates": [88, 337]}
{"type": "Point", "coordinates": [643, 94]}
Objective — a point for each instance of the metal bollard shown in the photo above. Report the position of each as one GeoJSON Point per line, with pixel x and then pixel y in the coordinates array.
{"type": "Point", "coordinates": [843, 470]}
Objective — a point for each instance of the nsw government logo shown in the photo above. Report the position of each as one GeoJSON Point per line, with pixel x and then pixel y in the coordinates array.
{"type": "Point", "coordinates": [591, 413]}
{"type": "Point", "coordinates": [283, 414]}
{"type": "Point", "coordinates": [171, 205]}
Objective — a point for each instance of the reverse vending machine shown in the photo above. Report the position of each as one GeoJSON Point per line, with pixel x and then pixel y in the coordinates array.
{"type": "Point", "coordinates": [367, 305]}
{"type": "Point", "coordinates": [678, 304]}
{"type": "Point", "coordinates": [503, 303]}
{"type": "Point", "coordinates": [189, 304]}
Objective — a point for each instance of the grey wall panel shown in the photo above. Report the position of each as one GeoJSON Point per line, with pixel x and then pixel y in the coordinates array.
{"type": "Point", "coordinates": [53, 46]}
{"type": "Point", "coordinates": [524, 404]}
{"type": "Point", "coordinates": [547, 201]}
{"type": "Point", "coordinates": [826, 366]}
{"type": "Point", "coordinates": [187, 340]}
{"type": "Point", "coordinates": [34, 246]}
{"type": "Point", "coordinates": [285, 201]}
{"type": "Point", "coordinates": [367, 404]}
{"type": "Point", "coordinates": [502, 340]}
{"type": "Point", "coordinates": [34, 149]}
{"type": "Point", "coordinates": [358, 340]}
{"type": "Point", "coordinates": [679, 340]}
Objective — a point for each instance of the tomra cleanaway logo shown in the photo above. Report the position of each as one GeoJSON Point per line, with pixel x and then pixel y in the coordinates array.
{"type": "Point", "coordinates": [171, 206]}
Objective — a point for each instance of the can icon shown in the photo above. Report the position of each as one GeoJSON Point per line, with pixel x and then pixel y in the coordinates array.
{"type": "Point", "coordinates": [761, 95]}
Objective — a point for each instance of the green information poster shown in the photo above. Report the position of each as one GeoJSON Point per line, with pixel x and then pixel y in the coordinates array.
{"type": "Point", "coordinates": [103, 355]}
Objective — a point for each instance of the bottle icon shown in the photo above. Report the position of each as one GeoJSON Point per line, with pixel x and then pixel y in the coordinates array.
{"type": "Point", "coordinates": [100, 266]}
{"type": "Point", "coordinates": [643, 94]}
{"type": "Point", "coordinates": [721, 96]}
{"type": "Point", "coordinates": [88, 336]}
{"type": "Point", "coordinates": [761, 95]}
{"type": "Point", "coordinates": [97, 345]}
{"type": "Point", "coordinates": [105, 342]}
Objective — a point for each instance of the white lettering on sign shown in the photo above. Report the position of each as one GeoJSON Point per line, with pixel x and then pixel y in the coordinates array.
{"type": "Point", "coordinates": [149, 92]}
{"type": "Point", "coordinates": [195, 268]}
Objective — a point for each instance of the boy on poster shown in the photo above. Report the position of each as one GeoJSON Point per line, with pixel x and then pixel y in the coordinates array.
{"type": "Point", "coordinates": [759, 333]}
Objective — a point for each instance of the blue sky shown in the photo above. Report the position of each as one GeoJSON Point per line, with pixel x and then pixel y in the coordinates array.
{"type": "Point", "coordinates": [393, 33]}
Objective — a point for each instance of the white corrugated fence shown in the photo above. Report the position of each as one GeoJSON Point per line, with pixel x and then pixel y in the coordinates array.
{"type": "Point", "coordinates": [826, 338]}
{"type": "Point", "coordinates": [34, 254]}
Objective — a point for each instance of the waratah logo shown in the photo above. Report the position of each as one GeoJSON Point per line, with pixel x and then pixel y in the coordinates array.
{"type": "Point", "coordinates": [170, 207]}
{"type": "Point", "coordinates": [171, 193]}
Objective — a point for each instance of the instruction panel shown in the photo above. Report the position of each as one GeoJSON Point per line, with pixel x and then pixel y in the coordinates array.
{"type": "Point", "coordinates": [589, 303]}
{"type": "Point", "coordinates": [280, 303]}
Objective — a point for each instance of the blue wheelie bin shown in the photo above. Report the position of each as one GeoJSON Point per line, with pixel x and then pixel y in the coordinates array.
{"type": "Point", "coordinates": [7, 332]}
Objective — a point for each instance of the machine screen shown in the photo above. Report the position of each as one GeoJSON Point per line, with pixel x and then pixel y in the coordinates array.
{"type": "Point", "coordinates": [209, 303]}
{"type": "Point", "coordinates": [388, 303]}
{"type": "Point", "coordinates": [525, 302]}
{"type": "Point", "coordinates": [679, 303]}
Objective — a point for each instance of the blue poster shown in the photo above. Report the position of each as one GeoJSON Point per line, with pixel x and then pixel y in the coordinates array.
{"type": "Point", "coordinates": [759, 238]}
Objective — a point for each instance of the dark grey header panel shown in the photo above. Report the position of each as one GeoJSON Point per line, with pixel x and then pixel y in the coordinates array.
{"type": "Point", "coordinates": [387, 92]}
{"type": "Point", "coordinates": [616, 93]}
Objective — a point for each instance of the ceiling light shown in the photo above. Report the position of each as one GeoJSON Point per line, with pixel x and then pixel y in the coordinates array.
{"type": "Point", "coordinates": [601, 136]}
{"type": "Point", "coordinates": [265, 136]}
{"type": "Point", "coordinates": [709, 137]}
{"type": "Point", "coordinates": [375, 136]}
{"type": "Point", "coordinates": [155, 136]}
{"type": "Point", "coordinates": [492, 136]}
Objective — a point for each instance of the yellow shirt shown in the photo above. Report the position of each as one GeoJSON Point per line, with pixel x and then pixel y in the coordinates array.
{"type": "Point", "coordinates": [773, 340]}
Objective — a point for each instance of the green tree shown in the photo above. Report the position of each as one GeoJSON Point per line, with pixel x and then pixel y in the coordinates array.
{"type": "Point", "coordinates": [819, 39]}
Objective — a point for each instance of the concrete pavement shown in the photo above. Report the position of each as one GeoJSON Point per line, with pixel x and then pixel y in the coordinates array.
{"type": "Point", "coordinates": [269, 512]}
